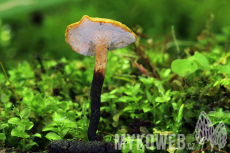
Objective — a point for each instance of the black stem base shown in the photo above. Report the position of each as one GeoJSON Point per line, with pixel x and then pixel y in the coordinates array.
{"type": "Point", "coordinates": [95, 94]}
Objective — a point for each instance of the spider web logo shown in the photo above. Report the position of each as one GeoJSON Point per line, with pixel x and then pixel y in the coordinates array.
{"type": "Point", "coordinates": [205, 132]}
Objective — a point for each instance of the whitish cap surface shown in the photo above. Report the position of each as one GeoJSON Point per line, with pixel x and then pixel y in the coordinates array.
{"type": "Point", "coordinates": [82, 36]}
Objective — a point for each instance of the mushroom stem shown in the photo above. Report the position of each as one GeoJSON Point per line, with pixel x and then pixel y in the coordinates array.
{"type": "Point", "coordinates": [101, 53]}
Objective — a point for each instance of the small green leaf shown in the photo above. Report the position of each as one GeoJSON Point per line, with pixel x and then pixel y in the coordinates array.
{"type": "Point", "coordinates": [123, 78]}
{"type": "Point", "coordinates": [116, 117]}
{"type": "Point", "coordinates": [47, 128]}
{"type": "Point", "coordinates": [20, 127]}
{"type": "Point", "coordinates": [71, 115]}
{"type": "Point", "coordinates": [136, 89]}
{"type": "Point", "coordinates": [58, 118]}
{"type": "Point", "coordinates": [27, 123]}
{"type": "Point", "coordinates": [144, 130]}
{"type": "Point", "coordinates": [160, 87]}
{"type": "Point", "coordinates": [165, 98]}
{"type": "Point", "coordinates": [180, 113]}
{"type": "Point", "coordinates": [106, 96]}
{"type": "Point", "coordinates": [224, 82]}
{"type": "Point", "coordinates": [16, 111]}
{"type": "Point", "coordinates": [218, 113]}
{"type": "Point", "coordinates": [146, 81]}
{"type": "Point", "coordinates": [2, 136]}
{"type": "Point", "coordinates": [178, 83]}
{"type": "Point", "coordinates": [37, 135]}
{"type": "Point", "coordinates": [64, 132]}
{"type": "Point", "coordinates": [225, 69]}
{"type": "Point", "coordinates": [146, 107]}
{"type": "Point", "coordinates": [28, 96]}
{"type": "Point", "coordinates": [3, 125]}
{"type": "Point", "coordinates": [51, 124]}
{"type": "Point", "coordinates": [157, 122]}
{"type": "Point", "coordinates": [106, 108]}
{"type": "Point", "coordinates": [14, 120]}
{"type": "Point", "coordinates": [189, 113]}
{"type": "Point", "coordinates": [165, 73]}
{"type": "Point", "coordinates": [70, 124]}
{"type": "Point", "coordinates": [162, 99]}
{"type": "Point", "coordinates": [53, 136]}
{"type": "Point", "coordinates": [183, 66]}
{"type": "Point", "coordinates": [123, 99]}
{"type": "Point", "coordinates": [65, 105]}
{"type": "Point", "coordinates": [38, 101]}
{"type": "Point", "coordinates": [189, 103]}
{"type": "Point", "coordinates": [149, 96]}
{"type": "Point", "coordinates": [190, 138]}
{"type": "Point", "coordinates": [25, 113]}
{"type": "Point", "coordinates": [18, 133]}
{"type": "Point", "coordinates": [4, 98]}
{"type": "Point", "coordinates": [115, 124]}
{"type": "Point", "coordinates": [202, 60]}
{"type": "Point", "coordinates": [8, 105]}
{"type": "Point", "coordinates": [28, 146]}
{"type": "Point", "coordinates": [129, 108]}
{"type": "Point", "coordinates": [113, 91]}
{"type": "Point", "coordinates": [129, 90]}
{"type": "Point", "coordinates": [174, 105]}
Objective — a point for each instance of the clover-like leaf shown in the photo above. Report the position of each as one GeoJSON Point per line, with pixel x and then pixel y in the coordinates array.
{"type": "Point", "coordinates": [201, 59]}
{"type": "Point", "coordinates": [183, 67]}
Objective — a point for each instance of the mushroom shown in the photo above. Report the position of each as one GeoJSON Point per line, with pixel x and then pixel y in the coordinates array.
{"type": "Point", "coordinates": [95, 37]}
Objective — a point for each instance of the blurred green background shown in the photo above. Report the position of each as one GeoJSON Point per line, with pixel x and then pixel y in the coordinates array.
{"type": "Point", "coordinates": [32, 28]}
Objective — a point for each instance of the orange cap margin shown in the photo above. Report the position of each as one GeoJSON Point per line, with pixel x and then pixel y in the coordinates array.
{"type": "Point", "coordinates": [100, 20]}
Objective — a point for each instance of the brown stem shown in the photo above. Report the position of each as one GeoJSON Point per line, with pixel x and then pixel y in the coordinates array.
{"type": "Point", "coordinates": [209, 148]}
{"type": "Point", "coordinates": [101, 53]}
{"type": "Point", "coordinates": [10, 84]}
{"type": "Point", "coordinates": [106, 133]}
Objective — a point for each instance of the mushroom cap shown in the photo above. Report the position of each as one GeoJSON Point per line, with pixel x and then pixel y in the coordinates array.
{"type": "Point", "coordinates": [82, 36]}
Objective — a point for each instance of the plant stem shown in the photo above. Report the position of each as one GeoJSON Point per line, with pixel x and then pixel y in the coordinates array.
{"type": "Point", "coordinates": [101, 53]}
{"type": "Point", "coordinates": [176, 43]}
{"type": "Point", "coordinates": [208, 148]}
{"type": "Point", "coordinates": [10, 84]}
